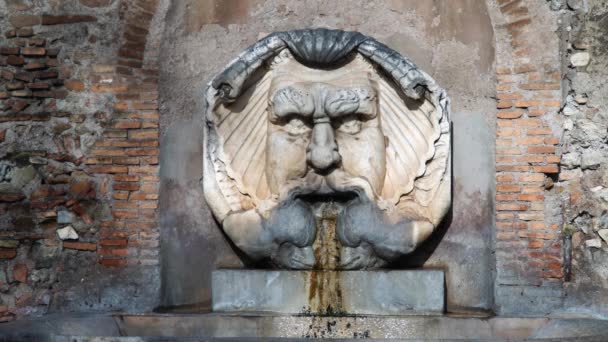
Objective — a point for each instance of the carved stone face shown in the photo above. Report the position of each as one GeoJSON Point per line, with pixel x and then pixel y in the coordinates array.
{"type": "Point", "coordinates": [325, 149]}
{"type": "Point", "coordinates": [324, 125]}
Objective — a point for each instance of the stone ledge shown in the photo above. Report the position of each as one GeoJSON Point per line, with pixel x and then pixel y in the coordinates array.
{"type": "Point", "coordinates": [404, 292]}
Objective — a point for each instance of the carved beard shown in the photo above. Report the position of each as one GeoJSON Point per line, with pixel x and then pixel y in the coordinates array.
{"type": "Point", "coordinates": [362, 229]}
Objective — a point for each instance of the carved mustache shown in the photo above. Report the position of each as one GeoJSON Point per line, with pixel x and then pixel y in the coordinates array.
{"type": "Point", "coordinates": [337, 182]}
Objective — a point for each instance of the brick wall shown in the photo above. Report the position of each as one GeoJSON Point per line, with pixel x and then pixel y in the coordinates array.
{"type": "Point", "coordinates": [529, 255]}
{"type": "Point", "coordinates": [78, 154]}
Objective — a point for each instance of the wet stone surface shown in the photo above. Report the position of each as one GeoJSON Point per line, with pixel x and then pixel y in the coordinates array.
{"type": "Point", "coordinates": [326, 293]}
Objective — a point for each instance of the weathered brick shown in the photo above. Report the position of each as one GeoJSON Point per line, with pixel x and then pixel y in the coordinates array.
{"type": "Point", "coordinates": [66, 19]}
{"type": "Point", "coordinates": [113, 242]}
{"type": "Point", "coordinates": [7, 253]}
{"type": "Point", "coordinates": [9, 50]}
{"type": "Point", "coordinates": [74, 85]}
{"type": "Point", "coordinates": [124, 214]}
{"type": "Point", "coordinates": [511, 207]}
{"type": "Point", "coordinates": [539, 131]}
{"type": "Point", "coordinates": [507, 188]}
{"type": "Point", "coordinates": [143, 134]}
{"type": "Point", "coordinates": [501, 197]}
{"type": "Point", "coordinates": [126, 124]}
{"type": "Point", "coordinates": [531, 197]}
{"type": "Point", "coordinates": [509, 114]}
{"type": "Point", "coordinates": [530, 141]}
{"type": "Point", "coordinates": [113, 262]}
{"type": "Point", "coordinates": [126, 186]}
{"type": "Point", "coordinates": [108, 169]}
{"type": "Point", "coordinates": [553, 168]}
{"type": "Point", "coordinates": [15, 60]}
{"type": "Point", "coordinates": [504, 104]}
{"type": "Point", "coordinates": [82, 246]}
{"type": "Point", "coordinates": [33, 51]}
{"type": "Point", "coordinates": [107, 152]}
{"type": "Point", "coordinates": [541, 149]}
{"type": "Point", "coordinates": [126, 178]}
{"type": "Point", "coordinates": [540, 86]}
{"type": "Point", "coordinates": [527, 103]}
{"type": "Point", "coordinates": [24, 20]}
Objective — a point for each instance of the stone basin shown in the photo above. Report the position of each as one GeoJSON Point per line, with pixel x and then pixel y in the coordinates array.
{"type": "Point", "coordinates": [213, 326]}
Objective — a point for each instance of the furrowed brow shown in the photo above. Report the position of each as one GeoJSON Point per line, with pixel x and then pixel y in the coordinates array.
{"type": "Point", "coordinates": [347, 101]}
{"type": "Point", "coordinates": [291, 100]}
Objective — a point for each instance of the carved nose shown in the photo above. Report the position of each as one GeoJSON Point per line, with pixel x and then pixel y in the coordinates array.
{"type": "Point", "coordinates": [322, 152]}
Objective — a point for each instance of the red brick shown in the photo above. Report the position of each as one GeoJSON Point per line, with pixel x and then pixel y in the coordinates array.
{"type": "Point", "coordinates": [124, 214]}
{"type": "Point", "coordinates": [20, 273]}
{"type": "Point", "coordinates": [126, 186]}
{"type": "Point", "coordinates": [7, 253]}
{"type": "Point", "coordinates": [504, 178]}
{"type": "Point", "coordinates": [506, 197]}
{"type": "Point", "coordinates": [509, 115]}
{"type": "Point", "coordinates": [107, 152]}
{"type": "Point", "coordinates": [509, 96]}
{"type": "Point", "coordinates": [82, 246]}
{"type": "Point", "coordinates": [120, 195]}
{"type": "Point", "coordinates": [539, 131]}
{"type": "Point", "coordinates": [518, 24]}
{"type": "Point", "coordinates": [126, 178]}
{"type": "Point", "coordinates": [525, 68]}
{"type": "Point", "coordinates": [540, 225]}
{"type": "Point", "coordinates": [527, 103]}
{"type": "Point", "coordinates": [531, 197]}
{"type": "Point", "coordinates": [540, 86]}
{"type": "Point", "coordinates": [124, 205]}
{"type": "Point", "coordinates": [108, 169]}
{"type": "Point", "coordinates": [530, 141]}
{"type": "Point", "coordinates": [125, 160]}
{"type": "Point", "coordinates": [113, 262]}
{"type": "Point", "coordinates": [108, 88]}
{"type": "Point", "coordinates": [148, 204]}
{"type": "Point", "coordinates": [141, 225]}
{"type": "Point", "coordinates": [553, 168]}
{"type": "Point", "coordinates": [505, 235]}
{"type": "Point", "coordinates": [504, 104]}
{"type": "Point", "coordinates": [143, 169]}
{"type": "Point", "coordinates": [541, 149]}
{"type": "Point", "coordinates": [143, 134]}
{"type": "Point", "coordinates": [113, 242]}
{"type": "Point", "coordinates": [511, 207]}
{"type": "Point", "coordinates": [15, 60]}
{"type": "Point", "coordinates": [9, 50]}
{"type": "Point", "coordinates": [143, 196]}
{"type": "Point", "coordinates": [126, 124]}
{"type": "Point", "coordinates": [66, 19]}
{"type": "Point", "coordinates": [553, 104]}
{"type": "Point", "coordinates": [33, 51]}
{"type": "Point", "coordinates": [552, 141]}
{"type": "Point", "coordinates": [512, 168]}
{"type": "Point", "coordinates": [536, 112]}
{"type": "Point", "coordinates": [508, 132]}
{"type": "Point", "coordinates": [507, 188]}
{"type": "Point", "coordinates": [74, 85]}
{"type": "Point", "coordinates": [532, 159]}
{"type": "Point", "coordinates": [24, 20]}
{"type": "Point", "coordinates": [142, 152]}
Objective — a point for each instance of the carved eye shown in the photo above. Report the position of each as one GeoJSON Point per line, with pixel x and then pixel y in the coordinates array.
{"type": "Point", "coordinates": [295, 126]}
{"type": "Point", "coordinates": [349, 125]}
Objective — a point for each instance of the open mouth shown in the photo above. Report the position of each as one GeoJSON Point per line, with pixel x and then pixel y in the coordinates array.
{"type": "Point", "coordinates": [340, 197]}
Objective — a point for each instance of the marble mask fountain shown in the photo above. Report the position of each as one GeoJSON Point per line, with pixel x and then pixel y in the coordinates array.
{"type": "Point", "coordinates": [325, 152]}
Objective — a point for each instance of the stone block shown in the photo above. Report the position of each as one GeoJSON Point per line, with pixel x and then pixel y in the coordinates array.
{"type": "Point", "coordinates": [404, 292]}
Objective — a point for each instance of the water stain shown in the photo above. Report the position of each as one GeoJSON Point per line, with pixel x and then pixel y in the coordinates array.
{"type": "Point", "coordinates": [325, 294]}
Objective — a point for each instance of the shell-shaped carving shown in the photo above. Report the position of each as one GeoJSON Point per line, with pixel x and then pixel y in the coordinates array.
{"type": "Point", "coordinates": [321, 46]}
